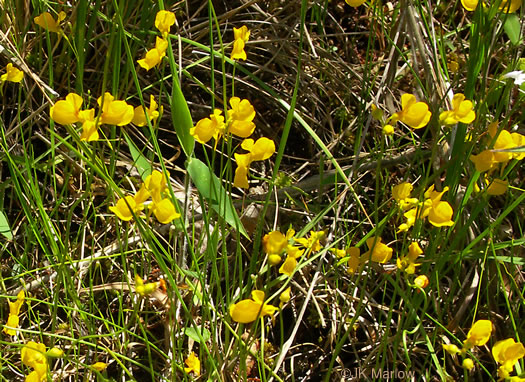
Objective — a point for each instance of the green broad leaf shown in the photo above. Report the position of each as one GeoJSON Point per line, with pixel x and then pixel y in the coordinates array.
{"type": "Point", "coordinates": [197, 333]}
{"type": "Point", "coordinates": [210, 187]}
{"type": "Point", "coordinates": [4, 227]}
{"type": "Point", "coordinates": [512, 28]}
{"type": "Point", "coordinates": [142, 163]}
{"type": "Point", "coordinates": [181, 118]}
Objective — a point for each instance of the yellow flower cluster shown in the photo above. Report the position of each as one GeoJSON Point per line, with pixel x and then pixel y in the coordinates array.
{"type": "Point", "coordinates": [34, 355]}
{"type": "Point", "coordinates": [439, 212]}
{"type": "Point", "coordinates": [275, 244]}
{"type": "Point", "coordinates": [241, 36]}
{"type": "Point", "coordinates": [417, 115]}
{"type": "Point", "coordinates": [113, 112]}
{"type": "Point", "coordinates": [14, 310]}
{"type": "Point", "coordinates": [377, 252]}
{"type": "Point", "coordinates": [239, 123]}
{"type": "Point", "coordinates": [505, 352]}
{"type": "Point", "coordinates": [491, 159]}
{"type": "Point", "coordinates": [381, 253]}
{"type": "Point", "coordinates": [163, 22]}
{"type": "Point", "coordinates": [155, 185]}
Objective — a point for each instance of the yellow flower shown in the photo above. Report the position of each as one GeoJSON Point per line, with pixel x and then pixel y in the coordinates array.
{"type": "Point", "coordinates": [510, 8]}
{"type": "Point", "coordinates": [241, 36]}
{"type": "Point", "coordinates": [378, 252]}
{"type": "Point", "coordinates": [247, 311]}
{"type": "Point", "coordinates": [55, 352]}
{"type": "Point", "coordinates": [155, 183]}
{"type": "Point", "coordinates": [354, 260]}
{"type": "Point", "coordinates": [414, 114]}
{"type": "Point", "coordinates": [377, 113]}
{"type": "Point", "coordinates": [292, 254]}
{"type": "Point", "coordinates": [293, 251]}
{"type": "Point", "coordinates": [142, 194]}
{"type": "Point", "coordinates": [285, 296]}
{"type": "Point", "coordinates": [468, 364]}
{"type": "Point", "coordinates": [338, 252]}
{"type": "Point", "coordinates": [241, 33]}
{"type": "Point", "coordinates": [504, 141]}
{"type": "Point", "coordinates": [163, 22]}
{"type": "Point", "coordinates": [241, 116]}
{"type": "Point", "coordinates": [208, 128]}
{"type": "Point", "coordinates": [408, 263]}
{"type": "Point", "coordinates": [484, 161]}
{"type": "Point", "coordinates": [194, 364]}
{"type": "Point", "coordinates": [355, 3]}
{"type": "Point", "coordinates": [12, 74]}
{"type": "Point", "coordinates": [451, 349]}
{"type": "Point", "coordinates": [241, 172]}
{"type": "Point", "coordinates": [421, 281]}
{"type": "Point", "coordinates": [519, 140]}
{"type": "Point", "coordinates": [388, 129]}
{"type": "Point", "coordinates": [288, 266]}
{"type": "Point", "coordinates": [497, 187]}
{"type": "Point", "coordinates": [469, 5]}
{"type": "Point", "coordinates": [439, 213]}
{"type": "Point", "coordinates": [67, 112]}
{"type": "Point", "coordinates": [89, 125]}
{"type": "Point", "coordinates": [165, 211]}
{"type": "Point", "coordinates": [144, 289]}
{"type": "Point", "coordinates": [46, 21]}
{"type": "Point", "coordinates": [401, 194]}
{"type": "Point", "coordinates": [461, 111]}
{"type": "Point", "coordinates": [139, 114]}
{"type": "Point", "coordinates": [117, 113]}
{"type": "Point", "coordinates": [34, 356]}
{"type": "Point", "coordinates": [262, 149]}
{"type": "Point", "coordinates": [125, 208]}
{"type": "Point", "coordinates": [414, 251]}
{"type": "Point", "coordinates": [154, 56]}
{"type": "Point", "coordinates": [479, 334]}
{"type": "Point", "coordinates": [507, 353]}
{"type": "Point", "coordinates": [402, 191]}
{"type": "Point", "coordinates": [14, 310]}
{"type": "Point", "coordinates": [274, 243]}
{"type": "Point", "coordinates": [274, 259]}
{"type": "Point", "coordinates": [99, 366]}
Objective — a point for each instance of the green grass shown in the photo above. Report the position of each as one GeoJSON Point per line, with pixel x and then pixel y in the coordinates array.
{"type": "Point", "coordinates": [313, 71]}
